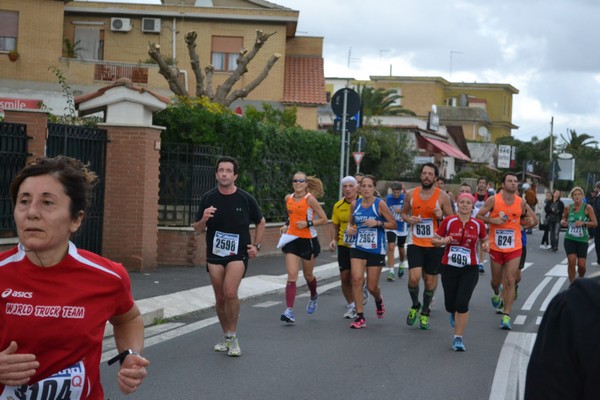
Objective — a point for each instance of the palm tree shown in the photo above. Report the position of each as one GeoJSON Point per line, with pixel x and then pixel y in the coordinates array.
{"type": "Point", "coordinates": [380, 101]}
{"type": "Point", "coordinates": [577, 144]}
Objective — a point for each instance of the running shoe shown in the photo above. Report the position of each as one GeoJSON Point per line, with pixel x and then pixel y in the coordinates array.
{"type": "Point", "coordinates": [390, 276]}
{"type": "Point", "coordinates": [350, 312]}
{"type": "Point", "coordinates": [311, 307]}
{"type": "Point", "coordinates": [365, 294]}
{"type": "Point", "coordinates": [424, 322]}
{"type": "Point", "coordinates": [411, 318]}
{"type": "Point", "coordinates": [452, 320]}
{"type": "Point", "coordinates": [358, 323]}
{"type": "Point", "coordinates": [223, 344]}
{"type": "Point", "coordinates": [401, 271]}
{"type": "Point", "coordinates": [481, 269]}
{"type": "Point", "coordinates": [496, 300]}
{"type": "Point", "coordinates": [234, 348]}
{"type": "Point", "coordinates": [500, 308]}
{"type": "Point", "coordinates": [505, 323]}
{"type": "Point", "coordinates": [288, 316]}
{"type": "Point", "coordinates": [380, 310]}
{"type": "Point", "coordinates": [458, 345]}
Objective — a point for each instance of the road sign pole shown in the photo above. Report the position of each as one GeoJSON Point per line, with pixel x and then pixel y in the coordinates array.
{"type": "Point", "coordinates": [343, 137]}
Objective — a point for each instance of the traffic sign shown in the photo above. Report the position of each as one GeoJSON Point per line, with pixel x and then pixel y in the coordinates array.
{"type": "Point", "coordinates": [358, 156]}
{"type": "Point", "coordinates": [352, 102]}
{"type": "Point", "coordinates": [350, 125]}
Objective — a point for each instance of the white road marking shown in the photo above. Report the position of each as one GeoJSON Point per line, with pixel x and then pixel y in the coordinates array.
{"type": "Point", "coordinates": [534, 295]}
{"type": "Point", "coordinates": [267, 304]}
{"type": "Point", "coordinates": [538, 320]}
{"type": "Point", "coordinates": [555, 289]}
{"type": "Point", "coordinates": [520, 320]}
{"type": "Point", "coordinates": [511, 370]}
{"type": "Point", "coordinates": [558, 270]}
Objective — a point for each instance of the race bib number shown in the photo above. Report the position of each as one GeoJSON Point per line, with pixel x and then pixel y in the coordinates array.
{"type": "Point", "coordinates": [225, 244]}
{"type": "Point", "coordinates": [459, 256]}
{"type": "Point", "coordinates": [575, 231]}
{"type": "Point", "coordinates": [349, 239]}
{"type": "Point", "coordinates": [423, 229]}
{"type": "Point", "coordinates": [367, 238]}
{"type": "Point", "coordinates": [505, 238]}
{"type": "Point", "coordinates": [64, 385]}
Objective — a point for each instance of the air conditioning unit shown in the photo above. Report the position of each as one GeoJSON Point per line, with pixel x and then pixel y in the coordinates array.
{"type": "Point", "coordinates": [151, 25]}
{"type": "Point", "coordinates": [120, 24]}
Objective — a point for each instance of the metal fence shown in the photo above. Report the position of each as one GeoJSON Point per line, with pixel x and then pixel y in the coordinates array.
{"type": "Point", "coordinates": [187, 171]}
{"type": "Point", "coordinates": [88, 145]}
{"type": "Point", "coordinates": [13, 156]}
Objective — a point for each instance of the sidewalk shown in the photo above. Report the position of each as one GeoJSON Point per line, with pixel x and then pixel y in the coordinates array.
{"type": "Point", "coordinates": [169, 292]}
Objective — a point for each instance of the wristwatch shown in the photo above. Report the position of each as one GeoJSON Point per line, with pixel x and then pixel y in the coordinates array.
{"type": "Point", "coordinates": [258, 246]}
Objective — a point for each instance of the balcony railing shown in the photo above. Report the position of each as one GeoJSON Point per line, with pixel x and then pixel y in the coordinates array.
{"type": "Point", "coordinates": [112, 72]}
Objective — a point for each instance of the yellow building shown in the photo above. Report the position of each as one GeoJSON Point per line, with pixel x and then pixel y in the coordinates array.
{"type": "Point", "coordinates": [93, 44]}
{"type": "Point", "coordinates": [483, 110]}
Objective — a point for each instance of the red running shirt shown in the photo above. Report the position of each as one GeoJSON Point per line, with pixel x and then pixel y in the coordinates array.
{"type": "Point", "coordinates": [462, 251]}
{"type": "Point", "coordinates": [59, 314]}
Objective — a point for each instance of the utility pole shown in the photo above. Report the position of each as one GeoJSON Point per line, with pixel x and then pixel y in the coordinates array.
{"type": "Point", "coordinates": [552, 166]}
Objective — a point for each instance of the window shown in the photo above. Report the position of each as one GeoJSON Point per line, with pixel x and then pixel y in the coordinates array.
{"type": "Point", "coordinates": [225, 50]}
{"type": "Point", "coordinates": [9, 30]}
{"type": "Point", "coordinates": [89, 43]}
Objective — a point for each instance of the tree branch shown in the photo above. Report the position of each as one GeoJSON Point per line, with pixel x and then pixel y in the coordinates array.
{"type": "Point", "coordinates": [208, 70]}
{"type": "Point", "coordinates": [190, 41]}
{"type": "Point", "coordinates": [165, 70]}
{"type": "Point", "coordinates": [240, 94]}
{"type": "Point", "coordinates": [242, 62]}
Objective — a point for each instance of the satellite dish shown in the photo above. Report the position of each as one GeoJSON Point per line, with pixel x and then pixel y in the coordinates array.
{"type": "Point", "coordinates": [482, 131]}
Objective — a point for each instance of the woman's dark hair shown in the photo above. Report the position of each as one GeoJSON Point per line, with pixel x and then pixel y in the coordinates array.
{"type": "Point", "coordinates": [74, 176]}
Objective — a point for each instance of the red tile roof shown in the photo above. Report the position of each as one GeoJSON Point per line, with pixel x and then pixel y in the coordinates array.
{"type": "Point", "coordinates": [304, 81]}
{"type": "Point", "coordinates": [120, 82]}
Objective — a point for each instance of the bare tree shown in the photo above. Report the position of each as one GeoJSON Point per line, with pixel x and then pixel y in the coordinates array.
{"type": "Point", "coordinates": [223, 93]}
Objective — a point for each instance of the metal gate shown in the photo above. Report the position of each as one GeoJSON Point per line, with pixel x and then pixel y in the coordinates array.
{"type": "Point", "coordinates": [13, 156]}
{"type": "Point", "coordinates": [88, 145]}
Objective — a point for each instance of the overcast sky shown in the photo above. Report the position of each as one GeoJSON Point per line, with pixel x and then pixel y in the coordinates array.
{"type": "Point", "coordinates": [548, 50]}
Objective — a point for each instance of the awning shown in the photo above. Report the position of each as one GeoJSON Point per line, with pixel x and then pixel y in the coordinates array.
{"type": "Point", "coordinates": [447, 149]}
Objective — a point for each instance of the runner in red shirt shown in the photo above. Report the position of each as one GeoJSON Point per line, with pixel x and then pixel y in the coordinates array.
{"type": "Point", "coordinates": [460, 234]}
{"type": "Point", "coordinates": [56, 299]}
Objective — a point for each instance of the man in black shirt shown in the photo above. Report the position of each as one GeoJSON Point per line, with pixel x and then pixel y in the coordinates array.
{"type": "Point", "coordinates": [225, 213]}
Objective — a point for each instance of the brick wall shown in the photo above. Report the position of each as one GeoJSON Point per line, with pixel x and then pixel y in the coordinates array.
{"type": "Point", "coordinates": [180, 247]}
{"type": "Point", "coordinates": [131, 199]}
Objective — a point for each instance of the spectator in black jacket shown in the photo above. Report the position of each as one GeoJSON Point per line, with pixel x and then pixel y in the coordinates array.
{"type": "Point", "coordinates": [565, 360]}
{"type": "Point", "coordinates": [554, 211]}
{"type": "Point", "coordinates": [596, 206]}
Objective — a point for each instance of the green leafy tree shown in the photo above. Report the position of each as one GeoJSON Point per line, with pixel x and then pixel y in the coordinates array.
{"type": "Point", "coordinates": [388, 153]}
{"type": "Point", "coordinates": [379, 101]}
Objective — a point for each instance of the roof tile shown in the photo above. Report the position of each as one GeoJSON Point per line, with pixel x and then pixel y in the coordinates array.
{"type": "Point", "coordinates": [304, 81]}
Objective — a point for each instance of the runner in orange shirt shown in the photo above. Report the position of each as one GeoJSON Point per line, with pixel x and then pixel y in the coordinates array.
{"type": "Point", "coordinates": [424, 207]}
{"type": "Point", "coordinates": [507, 211]}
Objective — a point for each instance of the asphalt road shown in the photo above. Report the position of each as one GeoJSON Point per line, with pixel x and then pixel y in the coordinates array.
{"type": "Point", "coordinates": [320, 357]}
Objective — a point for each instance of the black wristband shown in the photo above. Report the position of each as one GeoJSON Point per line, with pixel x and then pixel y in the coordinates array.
{"type": "Point", "coordinates": [309, 223]}
{"type": "Point", "coordinates": [121, 356]}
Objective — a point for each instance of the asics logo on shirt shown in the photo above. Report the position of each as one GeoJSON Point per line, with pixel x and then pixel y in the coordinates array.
{"type": "Point", "coordinates": [23, 295]}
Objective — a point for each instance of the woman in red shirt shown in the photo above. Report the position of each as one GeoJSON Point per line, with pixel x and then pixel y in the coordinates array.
{"type": "Point", "coordinates": [460, 233]}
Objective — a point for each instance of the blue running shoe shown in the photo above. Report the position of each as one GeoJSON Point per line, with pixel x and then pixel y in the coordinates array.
{"type": "Point", "coordinates": [401, 271]}
{"type": "Point", "coordinates": [288, 316]}
{"type": "Point", "coordinates": [505, 323]}
{"type": "Point", "coordinates": [496, 300]}
{"type": "Point", "coordinates": [458, 345]}
{"type": "Point", "coordinates": [311, 307]}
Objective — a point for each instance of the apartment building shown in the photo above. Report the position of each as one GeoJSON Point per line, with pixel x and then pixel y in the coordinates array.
{"type": "Point", "coordinates": [93, 44]}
